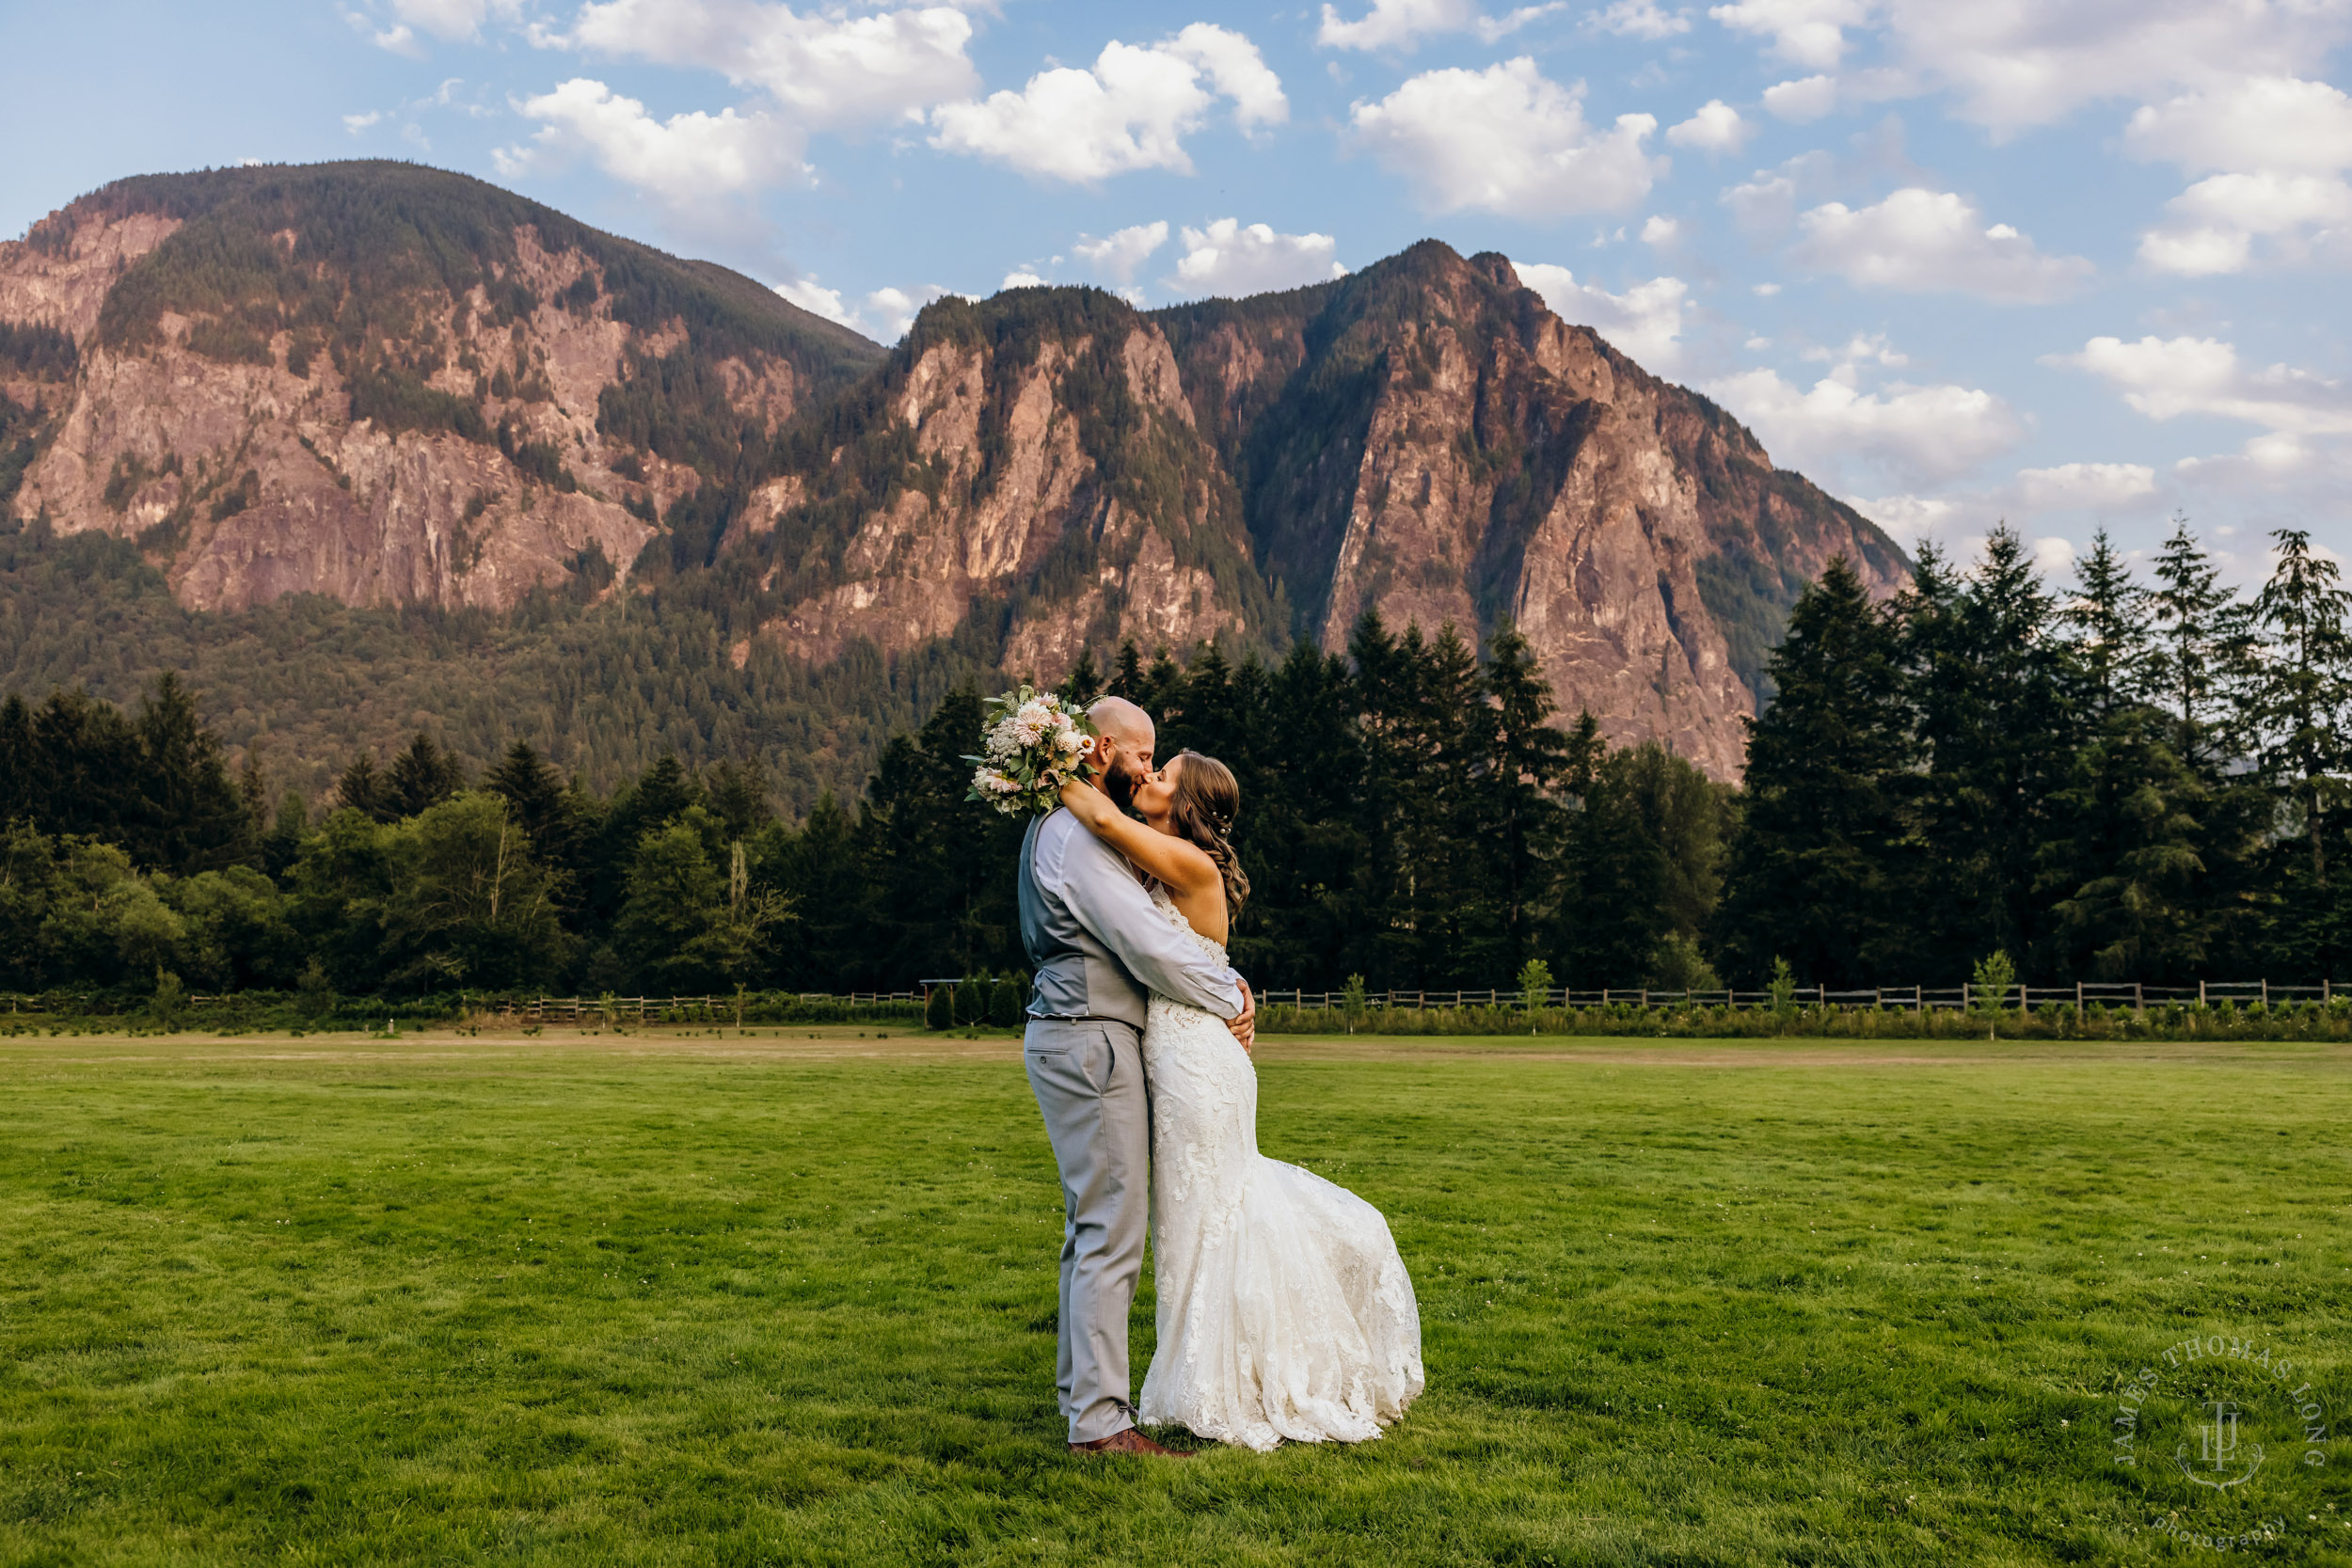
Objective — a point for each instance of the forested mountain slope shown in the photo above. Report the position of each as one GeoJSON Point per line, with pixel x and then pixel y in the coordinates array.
{"type": "Point", "coordinates": [383, 383]}
{"type": "Point", "coordinates": [380, 448]}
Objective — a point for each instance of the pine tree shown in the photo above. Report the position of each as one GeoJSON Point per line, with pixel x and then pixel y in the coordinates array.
{"type": "Point", "coordinates": [2108, 617]}
{"type": "Point", "coordinates": [2301, 697]}
{"type": "Point", "coordinates": [1820, 859]}
{"type": "Point", "coordinates": [192, 818]}
{"type": "Point", "coordinates": [17, 758]}
{"type": "Point", "coordinates": [737, 797]}
{"type": "Point", "coordinates": [1995, 716]}
{"type": "Point", "coordinates": [421, 777]}
{"type": "Point", "coordinates": [362, 789]}
{"type": "Point", "coordinates": [2199, 648]}
{"type": "Point", "coordinates": [1084, 681]}
{"type": "Point", "coordinates": [1518, 818]}
{"type": "Point", "coordinates": [2126, 857]}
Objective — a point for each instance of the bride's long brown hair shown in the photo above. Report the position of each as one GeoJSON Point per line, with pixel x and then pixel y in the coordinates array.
{"type": "Point", "coordinates": [1206, 801]}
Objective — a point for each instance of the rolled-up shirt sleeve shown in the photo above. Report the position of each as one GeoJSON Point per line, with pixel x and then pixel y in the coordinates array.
{"type": "Point", "coordinates": [1103, 894]}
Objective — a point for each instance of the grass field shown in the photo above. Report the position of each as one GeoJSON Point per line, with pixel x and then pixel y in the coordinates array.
{"type": "Point", "coordinates": [696, 1299]}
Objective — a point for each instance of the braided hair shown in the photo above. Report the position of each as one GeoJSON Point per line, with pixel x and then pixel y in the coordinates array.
{"type": "Point", "coordinates": [1202, 812]}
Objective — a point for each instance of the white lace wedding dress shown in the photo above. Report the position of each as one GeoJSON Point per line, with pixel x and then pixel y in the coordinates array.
{"type": "Point", "coordinates": [1285, 1310]}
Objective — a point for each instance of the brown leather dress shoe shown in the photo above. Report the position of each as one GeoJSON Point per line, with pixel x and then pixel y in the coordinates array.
{"type": "Point", "coordinates": [1129, 1441]}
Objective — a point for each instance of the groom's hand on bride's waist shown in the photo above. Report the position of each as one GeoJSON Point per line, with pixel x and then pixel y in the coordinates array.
{"type": "Point", "coordinates": [1244, 1023]}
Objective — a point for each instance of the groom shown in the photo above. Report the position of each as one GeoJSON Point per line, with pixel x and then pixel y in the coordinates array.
{"type": "Point", "coordinates": [1098, 947]}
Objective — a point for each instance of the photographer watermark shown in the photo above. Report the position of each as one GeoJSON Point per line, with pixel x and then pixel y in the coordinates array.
{"type": "Point", "coordinates": [2233, 1436]}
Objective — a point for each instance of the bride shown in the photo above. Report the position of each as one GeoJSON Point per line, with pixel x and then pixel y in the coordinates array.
{"type": "Point", "coordinates": [1285, 1310]}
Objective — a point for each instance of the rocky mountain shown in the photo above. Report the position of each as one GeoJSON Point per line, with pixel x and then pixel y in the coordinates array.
{"type": "Point", "coordinates": [1423, 439]}
{"type": "Point", "coordinates": [393, 386]}
{"type": "Point", "coordinates": [381, 383]}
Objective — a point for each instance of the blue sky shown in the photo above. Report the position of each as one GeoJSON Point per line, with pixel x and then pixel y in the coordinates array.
{"type": "Point", "coordinates": [2070, 262]}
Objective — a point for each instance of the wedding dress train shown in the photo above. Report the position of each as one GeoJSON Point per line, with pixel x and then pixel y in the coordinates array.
{"type": "Point", "coordinates": [1285, 1310]}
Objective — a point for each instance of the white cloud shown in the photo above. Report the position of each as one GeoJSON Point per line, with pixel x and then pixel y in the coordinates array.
{"type": "Point", "coordinates": [1118, 256]}
{"type": "Point", "coordinates": [2267, 122]}
{"type": "Point", "coordinates": [809, 297]}
{"type": "Point", "coordinates": [2016, 65]}
{"type": "Point", "coordinates": [686, 158]}
{"type": "Point", "coordinates": [1232, 260]}
{"type": "Point", "coordinates": [1907, 519]}
{"type": "Point", "coordinates": [827, 70]}
{"type": "Point", "coordinates": [1401, 24]}
{"type": "Point", "coordinates": [892, 311]}
{"type": "Point", "coordinates": [1922, 241]}
{"type": "Point", "coordinates": [1237, 70]}
{"type": "Point", "coordinates": [1508, 140]}
{"type": "Point", "coordinates": [1803, 32]}
{"type": "Point", "coordinates": [1644, 322]}
{"type": "Point", "coordinates": [1394, 23]}
{"type": "Point", "coordinates": [1020, 278]}
{"type": "Point", "coordinates": [357, 124]}
{"type": "Point", "coordinates": [1131, 111]}
{"type": "Point", "coordinates": [1715, 128]}
{"type": "Point", "coordinates": [2213, 224]}
{"type": "Point", "coordinates": [1862, 348]}
{"type": "Point", "coordinates": [2084, 486]}
{"type": "Point", "coordinates": [452, 21]}
{"type": "Point", "coordinates": [1929, 432]}
{"type": "Point", "coordinates": [1808, 97]}
{"type": "Point", "coordinates": [1659, 231]}
{"type": "Point", "coordinates": [2167, 378]}
{"type": "Point", "coordinates": [1640, 19]}
{"type": "Point", "coordinates": [2282, 143]}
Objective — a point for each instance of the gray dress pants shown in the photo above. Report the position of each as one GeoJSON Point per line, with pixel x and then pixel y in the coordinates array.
{"type": "Point", "coordinates": [1088, 1075]}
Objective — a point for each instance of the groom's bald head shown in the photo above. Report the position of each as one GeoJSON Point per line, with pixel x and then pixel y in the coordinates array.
{"type": "Point", "coordinates": [1125, 724]}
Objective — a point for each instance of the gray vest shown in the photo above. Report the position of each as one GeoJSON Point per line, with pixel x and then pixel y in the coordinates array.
{"type": "Point", "coordinates": [1077, 975]}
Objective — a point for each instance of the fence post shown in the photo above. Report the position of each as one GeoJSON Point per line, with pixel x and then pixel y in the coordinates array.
{"type": "Point", "coordinates": [2139, 1001]}
{"type": "Point", "coordinates": [2265, 994]}
{"type": "Point", "coordinates": [2201, 993]}
{"type": "Point", "coordinates": [2079, 997]}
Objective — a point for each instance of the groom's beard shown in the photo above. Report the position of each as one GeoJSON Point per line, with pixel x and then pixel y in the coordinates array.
{"type": "Point", "coordinates": [1119, 785]}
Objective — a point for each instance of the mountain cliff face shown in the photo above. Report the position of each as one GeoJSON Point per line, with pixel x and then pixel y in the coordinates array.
{"type": "Point", "coordinates": [395, 386]}
{"type": "Point", "coordinates": [383, 384]}
{"type": "Point", "coordinates": [1426, 440]}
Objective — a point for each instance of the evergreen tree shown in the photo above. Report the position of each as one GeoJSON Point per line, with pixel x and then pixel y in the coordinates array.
{"type": "Point", "coordinates": [941, 870]}
{"type": "Point", "coordinates": [1300, 833]}
{"type": "Point", "coordinates": [17, 758]}
{"type": "Point", "coordinates": [86, 770]}
{"type": "Point", "coordinates": [737, 797]}
{"type": "Point", "coordinates": [2108, 617]}
{"type": "Point", "coordinates": [1127, 676]}
{"type": "Point", "coordinates": [1819, 864]}
{"type": "Point", "coordinates": [2199, 648]}
{"type": "Point", "coordinates": [1992, 698]}
{"type": "Point", "coordinates": [192, 818]}
{"type": "Point", "coordinates": [2301, 697]}
{"type": "Point", "coordinates": [1518, 818]}
{"type": "Point", "coordinates": [421, 777]}
{"type": "Point", "coordinates": [1084, 681]}
{"type": "Point", "coordinates": [362, 789]}
{"type": "Point", "coordinates": [2125, 855]}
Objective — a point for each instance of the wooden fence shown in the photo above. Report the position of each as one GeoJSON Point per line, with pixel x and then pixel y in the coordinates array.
{"type": "Point", "coordinates": [1906, 998]}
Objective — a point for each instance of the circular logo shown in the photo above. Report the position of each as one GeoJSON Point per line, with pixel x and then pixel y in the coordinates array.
{"type": "Point", "coordinates": [2228, 1440]}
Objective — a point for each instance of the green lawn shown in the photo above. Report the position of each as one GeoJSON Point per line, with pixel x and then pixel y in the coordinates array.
{"type": "Point", "coordinates": [690, 1299]}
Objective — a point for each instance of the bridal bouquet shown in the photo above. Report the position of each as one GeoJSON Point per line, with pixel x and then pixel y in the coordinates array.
{"type": "Point", "coordinates": [1033, 745]}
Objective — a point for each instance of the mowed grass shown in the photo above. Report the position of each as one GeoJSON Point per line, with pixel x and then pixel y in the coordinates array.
{"type": "Point", "coordinates": [696, 1299]}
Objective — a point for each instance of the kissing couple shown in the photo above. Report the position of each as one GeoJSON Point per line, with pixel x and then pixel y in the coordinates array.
{"type": "Point", "coordinates": [1285, 1310]}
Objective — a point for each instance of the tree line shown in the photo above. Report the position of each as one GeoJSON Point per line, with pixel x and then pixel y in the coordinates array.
{"type": "Point", "coordinates": [2111, 782]}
